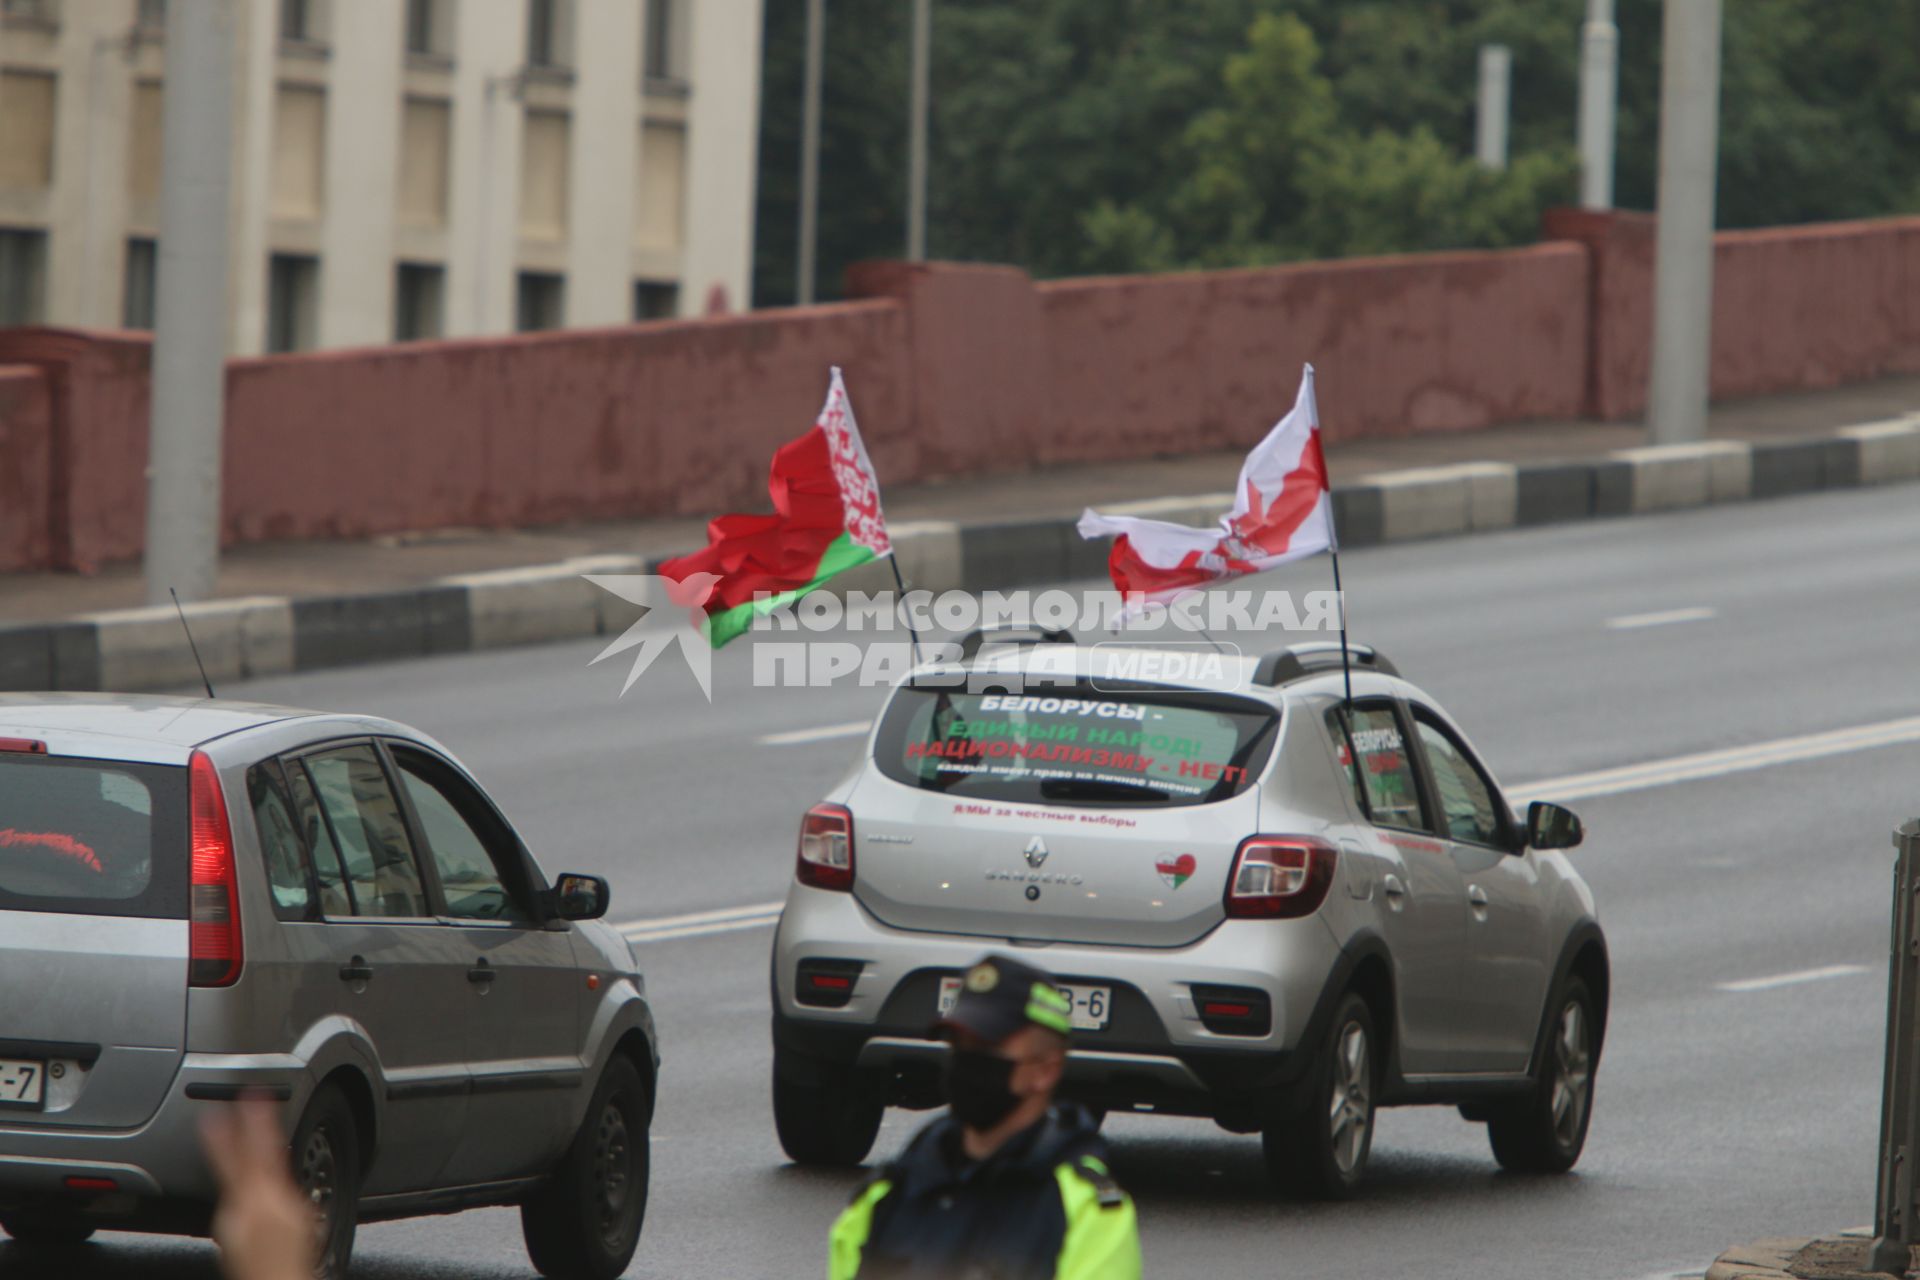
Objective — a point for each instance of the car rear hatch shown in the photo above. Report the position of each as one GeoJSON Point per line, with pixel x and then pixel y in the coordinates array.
{"type": "Point", "coordinates": [93, 937]}
{"type": "Point", "coordinates": [1082, 816]}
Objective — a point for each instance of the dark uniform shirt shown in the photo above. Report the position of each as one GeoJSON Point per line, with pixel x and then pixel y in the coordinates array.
{"type": "Point", "coordinates": [1042, 1207]}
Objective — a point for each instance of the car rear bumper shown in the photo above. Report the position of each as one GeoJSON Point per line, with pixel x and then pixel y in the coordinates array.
{"type": "Point", "coordinates": [1154, 1052]}
{"type": "Point", "coordinates": [109, 1171]}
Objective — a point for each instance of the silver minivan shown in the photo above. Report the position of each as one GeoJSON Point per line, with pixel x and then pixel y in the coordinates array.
{"type": "Point", "coordinates": [203, 900]}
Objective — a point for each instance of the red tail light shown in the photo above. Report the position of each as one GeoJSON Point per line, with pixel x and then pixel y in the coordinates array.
{"type": "Point", "coordinates": [826, 848]}
{"type": "Point", "coordinates": [1279, 877]}
{"type": "Point", "coordinates": [215, 950]}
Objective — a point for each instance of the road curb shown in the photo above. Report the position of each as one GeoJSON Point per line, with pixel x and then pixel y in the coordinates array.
{"type": "Point", "coordinates": [137, 649]}
{"type": "Point", "coordinates": [1794, 1257]}
{"type": "Point", "coordinates": [1767, 1259]}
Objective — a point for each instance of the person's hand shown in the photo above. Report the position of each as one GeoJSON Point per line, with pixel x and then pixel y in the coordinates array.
{"type": "Point", "coordinates": [263, 1225]}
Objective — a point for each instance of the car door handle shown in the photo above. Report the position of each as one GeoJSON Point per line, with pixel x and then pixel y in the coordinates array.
{"type": "Point", "coordinates": [1476, 895]}
{"type": "Point", "coordinates": [356, 970]}
{"type": "Point", "coordinates": [1393, 886]}
{"type": "Point", "coordinates": [481, 973]}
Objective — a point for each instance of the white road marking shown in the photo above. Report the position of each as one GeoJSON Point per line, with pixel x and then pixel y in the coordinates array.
{"type": "Point", "coordinates": [1795, 978]}
{"type": "Point", "coordinates": [1635, 621]}
{"type": "Point", "coordinates": [1715, 764]}
{"type": "Point", "coordinates": [698, 924]}
{"type": "Point", "coordinates": [825, 733]}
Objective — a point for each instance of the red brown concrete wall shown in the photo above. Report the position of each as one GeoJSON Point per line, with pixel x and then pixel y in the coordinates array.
{"type": "Point", "coordinates": [1794, 308]}
{"type": "Point", "coordinates": [1433, 342]}
{"type": "Point", "coordinates": [26, 462]}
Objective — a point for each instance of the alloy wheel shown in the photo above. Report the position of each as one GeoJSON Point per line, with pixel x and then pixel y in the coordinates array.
{"type": "Point", "coordinates": [319, 1177]}
{"type": "Point", "coordinates": [1350, 1109]}
{"type": "Point", "coordinates": [612, 1174]}
{"type": "Point", "coordinates": [1572, 1074]}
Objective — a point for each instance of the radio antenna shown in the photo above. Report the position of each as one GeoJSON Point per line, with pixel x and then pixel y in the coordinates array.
{"type": "Point", "coordinates": [190, 644]}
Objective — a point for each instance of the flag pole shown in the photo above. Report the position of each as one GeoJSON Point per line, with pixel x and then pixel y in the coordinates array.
{"type": "Point", "coordinates": [1340, 598]}
{"type": "Point", "coordinates": [905, 614]}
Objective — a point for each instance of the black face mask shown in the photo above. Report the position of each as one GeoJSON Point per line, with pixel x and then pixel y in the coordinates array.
{"type": "Point", "coordinates": [977, 1088]}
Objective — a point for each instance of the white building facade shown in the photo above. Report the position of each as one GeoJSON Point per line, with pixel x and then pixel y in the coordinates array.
{"type": "Point", "coordinates": [402, 169]}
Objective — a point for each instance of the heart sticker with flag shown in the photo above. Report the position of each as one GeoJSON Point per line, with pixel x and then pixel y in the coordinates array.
{"type": "Point", "coordinates": [1176, 871]}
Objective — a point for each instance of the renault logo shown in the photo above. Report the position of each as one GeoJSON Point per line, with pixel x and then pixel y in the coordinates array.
{"type": "Point", "coordinates": [1036, 851]}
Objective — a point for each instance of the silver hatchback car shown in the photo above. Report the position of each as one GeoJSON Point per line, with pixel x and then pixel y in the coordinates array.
{"type": "Point", "coordinates": [201, 900]}
{"type": "Point", "coordinates": [1268, 906]}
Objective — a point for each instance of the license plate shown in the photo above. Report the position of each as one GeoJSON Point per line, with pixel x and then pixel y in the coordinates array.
{"type": "Point", "coordinates": [22, 1082]}
{"type": "Point", "coordinates": [1091, 1005]}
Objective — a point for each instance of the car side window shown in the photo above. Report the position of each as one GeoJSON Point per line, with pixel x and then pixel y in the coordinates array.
{"type": "Point", "coordinates": [371, 839]}
{"type": "Point", "coordinates": [280, 846]}
{"type": "Point", "coordinates": [1468, 806]}
{"type": "Point", "coordinates": [1392, 797]}
{"type": "Point", "coordinates": [328, 874]}
{"type": "Point", "coordinates": [471, 847]}
{"type": "Point", "coordinates": [1343, 755]}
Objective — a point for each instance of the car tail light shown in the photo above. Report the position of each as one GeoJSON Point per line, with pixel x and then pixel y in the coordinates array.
{"type": "Point", "coordinates": [826, 848]}
{"type": "Point", "coordinates": [214, 950]}
{"type": "Point", "coordinates": [1233, 1011]}
{"type": "Point", "coordinates": [31, 746]}
{"type": "Point", "coordinates": [826, 984]}
{"type": "Point", "coordinates": [1279, 877]}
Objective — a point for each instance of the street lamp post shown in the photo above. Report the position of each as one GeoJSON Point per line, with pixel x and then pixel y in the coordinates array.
{"type": "Point", "coordinates": [1496, 85]}
{"type": "Point", "coordinates": [190, 321]}
{"type": "Point", "coordinates": [917, 144]}
{"type": "Point", "coordinates": [1599, 93]}
{"type": "Point", "coordinates": [803, 284]}
{"type": "Point", "coordinates": [1683, 244]}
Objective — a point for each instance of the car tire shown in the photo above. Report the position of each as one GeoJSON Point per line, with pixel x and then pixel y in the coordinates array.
{"type": "Point", "coordinates": [48, 1232]}
{"type": "Point", "coordinates": [1547, 1132]}
{"type": "Point", "coordinates": [1317, 1149]}
{"type": "Point", "coordinates": [584, 1223]}
{"type": "Point", "coordinates": [326, 1166]}
{"type": "Point", "coordinates": [831, 1124]}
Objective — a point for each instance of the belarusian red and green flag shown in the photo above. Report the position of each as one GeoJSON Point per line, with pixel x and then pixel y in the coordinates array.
{"type": "Point", "coordinates": [827, 519]}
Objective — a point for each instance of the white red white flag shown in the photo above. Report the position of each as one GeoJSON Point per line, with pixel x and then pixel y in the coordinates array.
{"type": "Point", "coordinates": [1282, 512]}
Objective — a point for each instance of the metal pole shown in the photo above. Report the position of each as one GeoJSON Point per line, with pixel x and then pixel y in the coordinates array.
{"type": "Point", "coordinates": [190, 312]}
{"type": "Point", "coordinates": [810, 151]}
{"type": "Point", "coordinates": [1894, 1225]}
{"type": "Point", "coordinates": [1599, 93]}
{"type": "Point", "coordinates": [1496, 81]}
{"type": "Point", "coordinates": [1683, 244]}
{"type": "Point", "coordinates": [917, 143]}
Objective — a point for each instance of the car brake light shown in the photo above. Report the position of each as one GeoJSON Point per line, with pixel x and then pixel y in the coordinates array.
{"type": "Point", "coordinates": [1279, 877]}
{"type": "Point", "coordinates": [826, 848]}
{"type": "Point", "coordinates": [29, 745]}
{"type": "Point", "coordinates": [214, 948]}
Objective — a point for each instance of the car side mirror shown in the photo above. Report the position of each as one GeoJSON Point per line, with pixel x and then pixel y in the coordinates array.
{"type": "Point", "coordinates": [578, 897]}
{"type": "Point", "coordinates": [1550, 826]}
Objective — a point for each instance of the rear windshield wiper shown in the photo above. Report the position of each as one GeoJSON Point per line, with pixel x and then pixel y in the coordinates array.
{"type": "Point", "coordinates": [1095, 789]}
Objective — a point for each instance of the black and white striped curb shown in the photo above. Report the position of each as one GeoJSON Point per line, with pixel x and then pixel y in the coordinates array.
{"type": "Point", "coordinates": [133, 649]}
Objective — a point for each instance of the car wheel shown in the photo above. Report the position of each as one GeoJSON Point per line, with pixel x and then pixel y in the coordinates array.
{"type": "Point", "coordinates": [584, 1224]}
{"type": "Point", "coordinates": [1319, 1148]}
{"type": "Point", "coordinates": [825, 1124]}
{"type": "Point", "coordinates": [1546, 1133]}
{"type": "Point", "coordinates": [47, 1232]}
{"type": "Point", "coordinates": [326, 1166]}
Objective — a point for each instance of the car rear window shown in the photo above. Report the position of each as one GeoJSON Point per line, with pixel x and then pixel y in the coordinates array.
{"type": "Point", "coordinates": [92, 837]}
{"type": "Point", "coordinates": [1079, 747]}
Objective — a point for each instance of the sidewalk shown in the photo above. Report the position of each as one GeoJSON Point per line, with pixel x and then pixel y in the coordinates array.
{"type": "Point", "coordinates": [1841, 1257]}
{"type": "Point", "coordinates": [398, 562]}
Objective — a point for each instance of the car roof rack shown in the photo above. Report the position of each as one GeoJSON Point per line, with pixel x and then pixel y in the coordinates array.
{"type": "Point", "coordinates": [1297, 661]}
{"type": "Point", "coordinates": [1013, 635]}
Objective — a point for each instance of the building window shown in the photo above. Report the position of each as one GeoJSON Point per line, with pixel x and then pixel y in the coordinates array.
{"type": "Point", "coordinates": [45, 13]}
{"type": "Point", "coordinates": [429, 28]}
{"type": "Point", "coordinates": [151, 16]}
{"type": "Point", "coordinates": [542, 302]}
{"type": "Point", "coordinates": [297, 22]}
{"type": "Point", "coordinates": [137, 286]}
{"type": "Point", "coordinates": [419, 301]}
{"type": "Point", "coordinates": [548, 31]}
{"type": "Point", "coordinates": [23, 277]}
{"type": "Point", "coordinates": [662, 29]}
{"type": "Point", "coordinates": [293, 302]}
{"type": "Point", "coordinates": [655, 301]}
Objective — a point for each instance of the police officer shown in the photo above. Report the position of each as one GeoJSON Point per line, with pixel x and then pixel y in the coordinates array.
{"type": "Point", "coordinates": [1007, 1185]}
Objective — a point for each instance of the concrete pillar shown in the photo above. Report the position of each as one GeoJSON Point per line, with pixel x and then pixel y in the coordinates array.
{"type": "Point", "coordinates": [257, 48]}
{"type": "Point", "coordinates": [363, 173]}
{"type": "Point", "coordinates": [601, 173]}
{"type": "Point", "coordinates": [86, 254]}
{"type": "Point", "coordinates": [484, 227]}
{"type": "Point", "coordinates": [1681, 378]}
{"type": "Point", "coordinates": [722, 151]}
{"type": "Point", "coordinates": [1496, 82]}
{"type": "Point", "coordinates": [1599, 91]}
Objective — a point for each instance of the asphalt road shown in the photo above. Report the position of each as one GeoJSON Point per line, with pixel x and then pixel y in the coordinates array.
{"type": "Point", "coordinates": [1721, 1115]}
